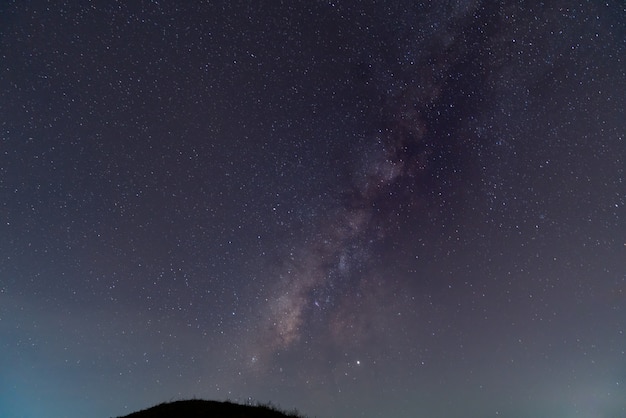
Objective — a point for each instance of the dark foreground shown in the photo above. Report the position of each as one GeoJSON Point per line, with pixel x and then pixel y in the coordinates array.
{"type": "Point", "coordinates": [197, 408]}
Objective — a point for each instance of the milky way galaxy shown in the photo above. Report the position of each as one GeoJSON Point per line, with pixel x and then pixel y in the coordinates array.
{"type": "Point", "coordinates": [353, 209]}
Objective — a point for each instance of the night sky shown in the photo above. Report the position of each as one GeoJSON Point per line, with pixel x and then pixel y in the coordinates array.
{"type": "Point", "coordinates": [357, 209]}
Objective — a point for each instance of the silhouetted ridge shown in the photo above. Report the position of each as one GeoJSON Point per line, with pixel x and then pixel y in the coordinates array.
{"type": "Point", "coordinates": [197, 408]}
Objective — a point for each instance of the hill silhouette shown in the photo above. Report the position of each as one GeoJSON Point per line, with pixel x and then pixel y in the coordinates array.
{"type": "Point", "coordinates": [197, 408]}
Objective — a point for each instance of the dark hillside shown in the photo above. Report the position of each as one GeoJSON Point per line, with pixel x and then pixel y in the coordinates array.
{"type": "Point", "coordinates": [197, 408]}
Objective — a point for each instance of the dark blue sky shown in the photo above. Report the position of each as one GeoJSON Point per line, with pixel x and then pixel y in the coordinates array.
{"type": "Point", "coordinates": [356, 209]}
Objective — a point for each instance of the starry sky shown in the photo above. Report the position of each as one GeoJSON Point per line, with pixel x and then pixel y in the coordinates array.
{"type": "Point", "coordinates": [353, 208]}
